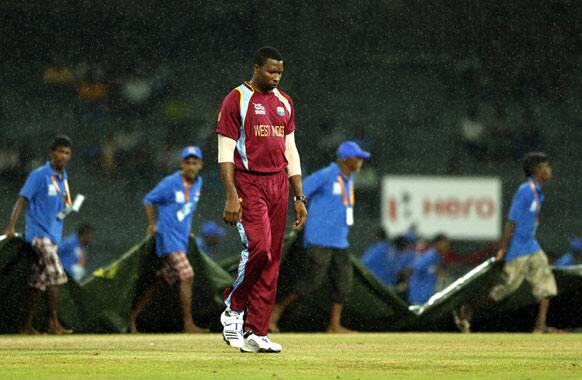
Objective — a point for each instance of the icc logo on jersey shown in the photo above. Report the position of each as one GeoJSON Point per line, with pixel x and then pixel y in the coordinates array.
{"type": "Point", "coordinates": [259, 109]}
{"type": "Point", "coordinates": [280, 111]}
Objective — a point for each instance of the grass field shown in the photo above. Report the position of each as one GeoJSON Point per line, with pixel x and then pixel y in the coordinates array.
{"type": "Point", "coordinates": [305, 356]}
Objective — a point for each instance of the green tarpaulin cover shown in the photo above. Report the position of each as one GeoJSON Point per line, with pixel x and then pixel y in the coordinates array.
{"type": "Point", "coordinates": [101, 303]}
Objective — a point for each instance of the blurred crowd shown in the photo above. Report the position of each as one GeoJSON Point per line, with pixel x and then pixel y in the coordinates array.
{"type": "Point", "coordinates": [132, 116]}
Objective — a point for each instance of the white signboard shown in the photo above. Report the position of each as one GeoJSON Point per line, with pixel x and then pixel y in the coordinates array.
{"type": "Point", "coordinates": [465, 208]}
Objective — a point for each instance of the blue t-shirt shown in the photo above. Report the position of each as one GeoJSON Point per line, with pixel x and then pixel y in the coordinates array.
{"type": "Point", "coordinates": [564, 261]}
{"type": "Point", "coordinates": [175, 209]}
{"type": "Point", "coordinates": [70, 251]}
{"type": "Point", "coordinates": [524, 212]}
{"type": "Point", "coordinates": [326, 225]}
{"type": "Point", "coordinates": [45, 192]}
{"type": "Point", "coordinates": [385, 262]}
{"type": "Point", "coordinates": [423, 278]}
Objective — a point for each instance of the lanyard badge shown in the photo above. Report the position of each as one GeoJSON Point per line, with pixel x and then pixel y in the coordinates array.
{"type": "Point", "coordinates": [70, 206]}
{"type": "Point", "coordinates": [187, 208]}
{"type": "Point", "coordinates": [67, 194]}
{"type": "Point", "coordinates": [536, 206]}
{"type": "Point", "coordinates": [347, 200]}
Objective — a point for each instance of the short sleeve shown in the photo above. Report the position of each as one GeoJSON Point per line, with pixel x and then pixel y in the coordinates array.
{"type": "Point", "coordinates": [313, 183]}
{"type": "Point", "coordinates": [520, 205]}
{"type": "Point", "coordinates": [410, 256]}
{"type": "Point", "coordinates": [161, 194]}
{"type": "Point", "coordinates": [369, 258]}
{"type": "Point", "coordinates": [426, 261]}
{"type": "Point", "coordinates": [229, 117]}
{"type": "Point", "coordinates": [290, 126]}
{"type": "Point", "coordinates": [32, 185]}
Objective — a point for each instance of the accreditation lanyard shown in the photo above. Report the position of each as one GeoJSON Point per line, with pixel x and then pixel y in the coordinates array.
{"type": "Point", "coordinates": [186, 189]}
{"type": "Point", "coordinates": [348, 200]}
{"type": "Point", "coordinates": [186, 209]}
{"type": "Point", "coordinates": [536, 206]}
{"type": "Point", "coordinates": [67, 196]}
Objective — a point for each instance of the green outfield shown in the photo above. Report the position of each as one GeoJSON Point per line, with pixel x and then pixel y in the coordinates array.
{"type": "Point", "coordinates": [305, 356]}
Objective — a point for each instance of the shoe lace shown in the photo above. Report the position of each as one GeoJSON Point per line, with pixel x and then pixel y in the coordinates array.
{"type": "Point", "coordinates": [234, 314]}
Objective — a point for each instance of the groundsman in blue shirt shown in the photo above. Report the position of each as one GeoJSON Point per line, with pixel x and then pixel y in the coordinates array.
{"type": "Point", "coordinates": [519, 250]}
{"type": "Point", "coordinates": [176, 198]}
{"type": "Point", "coordinates": [44, 196]}
{"type": "Point", "coordinates": [331, 199]}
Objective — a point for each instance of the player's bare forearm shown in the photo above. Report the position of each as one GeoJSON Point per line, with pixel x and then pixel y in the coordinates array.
{"type": "Point", "coordinates": [151, 214]}
{"type": "Point", "coordinates": [232, 208]}
{"type": "Point", "coordinates": [504, 244]}
{"type": "Point", "coordinates": [20, 205]}
{"type": "Point", "coordinates": [296, 184]}
{"type": "Point", "coordinates": [299, 206]}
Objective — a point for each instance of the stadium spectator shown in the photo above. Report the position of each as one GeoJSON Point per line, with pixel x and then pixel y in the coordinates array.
{"type": "Point", "coordinates": [425, 270]}
{"type": "Point", "coordinates": [519, 250]}
{"type": "Point", "coordinates": [45, 195]}
{"type": "Point", "coordinates": [527, 138]}
{"type": "Point", "coordinates": [73, 251]}
{"type": "Point", "coordinates": [391, 264]}
{"type": "Point", "coordinates": [500, 136]}
{"type": "Point", "coordinates": [331, 206]}
{"type": "Point", "coordinates": [10, 164]}
{"type": "Point", "coordinates": [58, 78]}
{"type": "Point", "coordinates": [177, 197]}
{"type": "Point", "coordinates": [454, 166]}
{"type": "Point", "coordinates": [136, 91]}
{"type": "Point", "coordinates": [93, 94]}
{"type": "Point", "coordinates": [473, 134]}
{"type": "Point", "coordinates": [574, 257]}
{"type": "Point", "coordinates": [123, 151]}
{"type": "Point", "coordinates": [211, 233]}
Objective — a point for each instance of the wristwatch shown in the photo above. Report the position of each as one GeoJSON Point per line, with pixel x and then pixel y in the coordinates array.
{"type": "Point", "coordinates": [301, 198]}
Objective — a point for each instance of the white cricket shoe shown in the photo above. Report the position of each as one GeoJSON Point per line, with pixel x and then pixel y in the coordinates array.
{"type": "Point", "coordinates": [232, 332]}
{"type": "Point", "coordinates": [261, 344]}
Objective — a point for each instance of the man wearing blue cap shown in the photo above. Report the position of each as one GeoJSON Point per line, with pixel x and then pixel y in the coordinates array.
{"type": "Point", "coordinates": [211, 235]}
{"type": "Point", "coordinates": [331, 208]}
{"type": "Point", "coordinates": [176, 197]}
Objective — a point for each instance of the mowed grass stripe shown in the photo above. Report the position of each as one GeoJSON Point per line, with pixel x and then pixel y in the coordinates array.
{"type": "Point", "coordinates": [305, 356]}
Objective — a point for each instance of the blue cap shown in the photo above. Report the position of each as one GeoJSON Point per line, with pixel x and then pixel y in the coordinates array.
{"type": "Point", "coordinates": [191, 151]}
{"type": "Point", "coordinates": [410, 237]}
{"type": "Point", "coordinates": [212, 229]}
{"type": "Point", "coordinates": [349, 149]}
{"type": "Point", "coordinates": [576, 245]}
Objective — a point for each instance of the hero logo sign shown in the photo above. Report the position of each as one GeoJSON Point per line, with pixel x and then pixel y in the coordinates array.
{"type": "Point", "coordinates": [464, 208]}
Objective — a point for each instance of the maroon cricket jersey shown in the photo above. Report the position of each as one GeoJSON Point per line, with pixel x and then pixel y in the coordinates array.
{"type": "Point", "coordinates": [258, 122]}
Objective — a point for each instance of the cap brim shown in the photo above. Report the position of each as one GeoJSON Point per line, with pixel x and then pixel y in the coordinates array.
{"type": "Point", "coordinates": [365, 155]}
{"type": "Point", "coordinates": [191, 155]}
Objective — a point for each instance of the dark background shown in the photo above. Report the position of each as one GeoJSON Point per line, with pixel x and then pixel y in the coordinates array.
{"type": "Point", "coordinates": [400, 77]}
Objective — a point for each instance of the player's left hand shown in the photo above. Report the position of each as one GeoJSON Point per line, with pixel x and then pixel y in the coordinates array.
{"type": "Point", "coordinates": [300, 216]}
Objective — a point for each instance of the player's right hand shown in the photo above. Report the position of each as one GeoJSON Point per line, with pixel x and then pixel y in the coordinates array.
{"type": "Point", "coordinates": [232, 211]}
{"type": "Point", "coordinates": [10, 232]}
{"type": "Point", "coordinates": [500, 255]}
